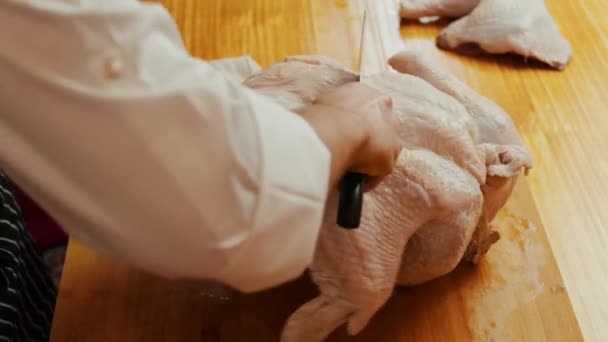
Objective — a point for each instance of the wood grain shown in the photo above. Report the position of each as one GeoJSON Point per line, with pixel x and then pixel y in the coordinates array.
{"type": "Point", "coordinates": [516, 294]}
{"type": "Point", "coordinates": [561, 117]}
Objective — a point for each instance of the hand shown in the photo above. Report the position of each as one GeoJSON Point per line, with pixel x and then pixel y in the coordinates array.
{"type": "Point", "coordinates": [358, 124]}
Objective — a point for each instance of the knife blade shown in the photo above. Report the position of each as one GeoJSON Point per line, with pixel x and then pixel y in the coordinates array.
{"type": "Point", "coordinates": [351, 187]}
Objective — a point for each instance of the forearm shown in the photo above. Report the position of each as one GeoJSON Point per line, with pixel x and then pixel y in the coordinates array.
{"type": "Point", "coordinates": [164, 163]}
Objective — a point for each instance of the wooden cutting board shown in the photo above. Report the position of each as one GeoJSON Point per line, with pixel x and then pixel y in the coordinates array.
{"type": "Point", "coordinates": [515, 294]}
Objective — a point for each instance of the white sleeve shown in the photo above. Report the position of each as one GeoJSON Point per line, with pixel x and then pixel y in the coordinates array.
{"type": "Point", "coordinates": [150, 156]}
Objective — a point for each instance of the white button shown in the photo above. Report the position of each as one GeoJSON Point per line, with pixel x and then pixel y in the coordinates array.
{"type": "Point", "coordinates": [114, 66]}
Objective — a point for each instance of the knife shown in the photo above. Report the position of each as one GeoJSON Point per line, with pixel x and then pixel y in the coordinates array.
{"type": "Point", "coordinates": [351, 186]}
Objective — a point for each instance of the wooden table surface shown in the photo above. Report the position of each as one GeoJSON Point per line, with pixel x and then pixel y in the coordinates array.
{"type": "Point", "coordinates": [544, 281]}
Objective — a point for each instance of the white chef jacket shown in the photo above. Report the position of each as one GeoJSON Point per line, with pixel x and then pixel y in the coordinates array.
{"type": "Point", "coordinates": [151, 156]}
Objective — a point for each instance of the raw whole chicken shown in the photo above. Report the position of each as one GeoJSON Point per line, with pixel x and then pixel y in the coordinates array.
{"type": "Point", "coordinates": [461, 159]}
{"type": "Point", "coordinates": [524, 27]}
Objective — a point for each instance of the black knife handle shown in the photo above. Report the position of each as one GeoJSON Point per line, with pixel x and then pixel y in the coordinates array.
{"type": "Point", "coordinates": [351, 200]}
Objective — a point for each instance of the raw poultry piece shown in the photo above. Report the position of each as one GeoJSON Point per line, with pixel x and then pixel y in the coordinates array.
{"type": "Point", "coordinates": [461, 159]}
{"type": "Point", "coordinates": [524, 27]}
{"type": "Point", "coordinates": [415, 9]}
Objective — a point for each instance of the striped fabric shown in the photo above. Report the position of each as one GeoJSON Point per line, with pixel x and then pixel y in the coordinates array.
{"type": "Point", "coordinates": [27, 294]}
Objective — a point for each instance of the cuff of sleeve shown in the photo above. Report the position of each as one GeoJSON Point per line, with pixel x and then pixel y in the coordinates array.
{"type": "Point", "coordinates": [237, 68]}
{"type": "Point", "coordinates": [291, 203]}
